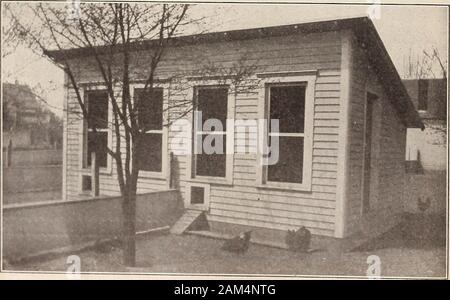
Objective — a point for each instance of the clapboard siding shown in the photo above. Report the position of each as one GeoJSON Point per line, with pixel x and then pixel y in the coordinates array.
{"type": "Point", "coordinates": [356, 140]}
{"type": "Point", "coordinates": [388, 150]}
{"type": "Point", "coordinates": [243, 202]}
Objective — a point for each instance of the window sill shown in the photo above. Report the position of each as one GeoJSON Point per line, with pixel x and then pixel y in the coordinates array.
{"type": "Point", "coordinates": [152, 175]}
{"type": "Point", "coordinates": [211, 180]}
{"type": "Point", "coordinates": [285, 186]}
{"type": "Point", "coordinates": [102, 171]}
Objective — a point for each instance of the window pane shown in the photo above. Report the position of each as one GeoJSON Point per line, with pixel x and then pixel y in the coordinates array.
{"type": "Point", "coordinates": [150, 109]}
{"type": "Point", "coordinates": [97, 140]}
{"type": "Point", "coordinates": [287, 103]}
{"type": "Point", "coordinates": [150, 154]}
{"type": "Point", "coordinates": [213, 103]}
{"type": "Point", "coordinates": [289, 167]}
{"type": "Point", "coordinates": [97, 107]}
{"type": "Point", "coordinates": [211, 164]}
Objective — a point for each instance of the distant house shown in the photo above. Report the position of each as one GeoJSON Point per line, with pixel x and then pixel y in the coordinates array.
{"type": "Point", "coordinates": [24, 119]}
{"type": "Point", "coordinates": [426, 150]}
{"type": "Point", "coordinates": [343, 113]}
{"type": "Point", "coordinates": [429, 96]}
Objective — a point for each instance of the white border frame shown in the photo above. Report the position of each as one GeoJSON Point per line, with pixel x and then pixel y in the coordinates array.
{"type": "Point", "coordinates": [207, 196]}
{"type": "Point", "coordinates": [231, 112]}
{"type": "Point", "coordinates": [83, 139]}
{"type": "Point", "coordinates": [267, 79]}
{"type": "Point", "coordinates": [165, 131]}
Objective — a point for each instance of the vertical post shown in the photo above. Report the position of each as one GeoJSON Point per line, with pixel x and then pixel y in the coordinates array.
{"type": "Point", "coordinates": [5, 162]}
{"type": "Point", "coordinates": [95, 179]}
{"type": "Point", "coordinates": [169, 178]}
{"type": "Point", "coordinates": [9, 154]}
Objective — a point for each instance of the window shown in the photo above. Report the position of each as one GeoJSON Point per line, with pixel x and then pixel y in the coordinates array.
{"type": "Point", "coordinates": [97, 127]}
{"type": "Point", "coordinates": [287, 104]}
{"type": "Point", "coordinates": [211, 129]}
{"type": "Point", "coordinates": [286, 137]}
{"type": "Point", "coordinates": [150, 119]}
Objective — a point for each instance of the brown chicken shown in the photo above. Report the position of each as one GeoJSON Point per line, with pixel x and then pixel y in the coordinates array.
{"type": "Point", "coordinates": [238, 244]}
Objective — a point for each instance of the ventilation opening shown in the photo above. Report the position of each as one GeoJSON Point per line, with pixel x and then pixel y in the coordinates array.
{"type": "Point", "coordinates": [86, 183]}
{"type": "Point", "coordinates": [197, 195]}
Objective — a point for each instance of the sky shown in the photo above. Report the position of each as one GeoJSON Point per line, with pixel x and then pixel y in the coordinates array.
{"type": "Point", "coordinates": [404, 29]}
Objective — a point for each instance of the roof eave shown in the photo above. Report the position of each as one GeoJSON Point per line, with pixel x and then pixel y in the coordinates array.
{"type": "Point", "coordinates": [362, 26]}
{"type": "Point", "coordinates": [382, 63]}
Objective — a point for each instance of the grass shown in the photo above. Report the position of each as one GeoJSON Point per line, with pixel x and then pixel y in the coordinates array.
{"type": "Point", "coordinates": [401, 255]}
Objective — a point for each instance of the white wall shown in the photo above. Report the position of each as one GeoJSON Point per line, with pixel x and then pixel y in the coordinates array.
{"type": "Point", "coordinates": [430, 143]}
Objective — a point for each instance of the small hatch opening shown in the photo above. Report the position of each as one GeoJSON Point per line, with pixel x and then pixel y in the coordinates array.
{"type": "Point", "coordinates": [86, 183]}
{"type": "Point", "coordinates": [197, 195]}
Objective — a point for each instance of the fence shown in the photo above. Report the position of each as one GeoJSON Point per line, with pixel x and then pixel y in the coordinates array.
{"type": "Point", "coordinates": [29, 229]}
{"type": "Point", "coordinates": [32, 178]}
{"type": "Point", "coordinates": [16, 157]}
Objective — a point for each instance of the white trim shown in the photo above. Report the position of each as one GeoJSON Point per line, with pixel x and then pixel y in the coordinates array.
{"type": "Point", "coordinates": [286, 74]}
{"type": "Point", "coordinates": [231, 110]}
{"type": "Point", "coordinates": [288, 78]}
{"type": "Point", "coordinates": [64, 146]}
{"type": "Point", "coordinates": [83, 137]}
{"type": "Point", "coordinates": [372, 191]}
{"type": "Point", "coordinates": [363, 165]}
{"type": "Point", "coordinates": [164, 131]}
{"type": "Point", "coordinates": [206, 195]}
{"type": "Point", "coordinates": [287, 134]}
{"type": "Point", "coordinates": [344, 133]}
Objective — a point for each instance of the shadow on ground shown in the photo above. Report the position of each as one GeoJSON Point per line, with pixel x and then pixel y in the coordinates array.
{"type": "Point", "coordinates": [413, 249]}
{"type": "Point", "coordinates": [415, 231]}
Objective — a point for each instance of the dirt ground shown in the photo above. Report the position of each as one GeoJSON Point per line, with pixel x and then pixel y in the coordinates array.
{"type": "Point", "coordinates": [409, 250]}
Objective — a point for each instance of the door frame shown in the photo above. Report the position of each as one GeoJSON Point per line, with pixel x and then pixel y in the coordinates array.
{"type": "Point", "coordinates": [206, 196]}
{"type": "Point", "coordinates": [366, 178]}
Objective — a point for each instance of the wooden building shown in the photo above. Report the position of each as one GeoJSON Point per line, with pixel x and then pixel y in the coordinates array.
{"type": "Point", "coordinates": [343, 114]}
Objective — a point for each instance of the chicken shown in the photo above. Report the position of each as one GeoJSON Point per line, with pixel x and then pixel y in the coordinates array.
{"type": "Point", "coordinates": [238, 244]}
{"type": "Point", "coordinates": [423, 205]}
{"type": "Point", "coordinates": [299, 240]}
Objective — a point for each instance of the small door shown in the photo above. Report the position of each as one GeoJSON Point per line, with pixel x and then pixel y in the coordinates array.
{"type": "Point", "coordinates": [197, 196]}
{"type": "Point", "coordinates": [368, 124]}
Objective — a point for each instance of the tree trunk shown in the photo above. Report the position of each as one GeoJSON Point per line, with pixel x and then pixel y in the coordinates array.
{"type": "Point", "coordinates": [129, 238]}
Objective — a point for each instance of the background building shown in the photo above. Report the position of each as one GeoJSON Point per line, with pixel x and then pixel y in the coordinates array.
{"type": "Point", "coordinates": [426, 151]}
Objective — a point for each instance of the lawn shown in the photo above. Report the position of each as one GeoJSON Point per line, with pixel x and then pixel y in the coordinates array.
{"type": "Point", "coordinates": [400, 256]}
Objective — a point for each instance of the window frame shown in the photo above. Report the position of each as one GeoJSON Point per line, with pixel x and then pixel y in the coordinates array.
{"type": "Point", "coordinates": [307, 78]}
{"type": "Point", "coordinates": [229, 132]}
{"type": "Point", "coordinates": [84, 130]}
{"type": "Point", "coordinates": [164, 131]}
{"type": "Point", "coordinates": [207, 195]}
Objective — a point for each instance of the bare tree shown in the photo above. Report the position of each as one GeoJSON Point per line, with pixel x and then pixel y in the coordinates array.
{"type": "Point", "coordinates": [110, 34]}
{"type": "Point", "coordinates": [429, 64]}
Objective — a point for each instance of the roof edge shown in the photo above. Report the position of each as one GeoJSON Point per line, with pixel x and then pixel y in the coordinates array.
{"type": "Point", "coordinates": [221, 36]}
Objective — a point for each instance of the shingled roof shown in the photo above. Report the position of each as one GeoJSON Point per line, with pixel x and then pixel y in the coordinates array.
{"type": "Point", "coordinates": [363, 28]}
